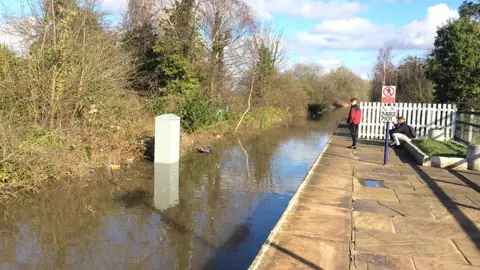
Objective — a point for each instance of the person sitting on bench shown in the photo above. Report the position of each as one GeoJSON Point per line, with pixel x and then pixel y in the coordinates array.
{"type": "Point", "coordinates": [401, 132]}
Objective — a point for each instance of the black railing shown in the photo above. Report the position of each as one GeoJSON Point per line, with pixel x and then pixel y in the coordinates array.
{"type": "Point", "coordinates": [468, 127]}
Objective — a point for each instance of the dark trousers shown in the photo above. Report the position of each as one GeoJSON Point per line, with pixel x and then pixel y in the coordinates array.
{"type": "Point", "coordinates": [354, 133]}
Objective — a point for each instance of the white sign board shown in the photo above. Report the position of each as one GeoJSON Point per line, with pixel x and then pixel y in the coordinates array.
{"type": "Point", "coordinates": [388, 114]}
{"type": "Point", "coordinates": [388, 94]}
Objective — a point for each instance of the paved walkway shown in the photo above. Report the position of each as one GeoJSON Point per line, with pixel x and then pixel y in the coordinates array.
{"type": "Point", "coordinates": [424, 218]}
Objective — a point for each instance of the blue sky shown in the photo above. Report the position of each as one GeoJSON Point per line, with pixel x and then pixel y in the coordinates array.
{"type": "Point", "coordinates": [349, 33]}
{"type": "Point", "coordinates": [333, 33]}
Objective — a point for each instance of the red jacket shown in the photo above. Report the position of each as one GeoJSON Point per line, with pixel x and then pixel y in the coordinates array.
{"type": "Point", "coordinates": [355, 115]}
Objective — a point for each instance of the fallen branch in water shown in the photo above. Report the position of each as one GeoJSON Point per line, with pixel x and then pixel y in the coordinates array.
{"type": "Point", "coordinates": [249, 103]}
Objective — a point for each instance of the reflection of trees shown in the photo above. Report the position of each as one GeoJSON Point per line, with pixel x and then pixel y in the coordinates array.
{"type": "Point", "coordinates": [261, 158]}
{"type": "Point", "coordinates": [213, 203]}
{"type": "Point", "coordinates": [51, 222]}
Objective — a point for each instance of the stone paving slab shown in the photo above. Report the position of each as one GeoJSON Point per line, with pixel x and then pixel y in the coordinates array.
{"type": "Point", "coordinates": [289, 251]}
{"type": "Point", "coordinates": [332, 170]}
{"type": "Point", "coordinates": [424, 218]}
{"type": "Point", "coordinates": [397, 185]}
{"type": "Point", "coordinates": [376, 194]}
{"type": "Point", "coordinates": [407, 245]}
{"type": "Point", "coordinates": [372, 222]}
{"type": "Point", "coordinates": [369, 261]}
{"type": "Point", "coordinates": [431, 200]}
{"type": "Point", "coordinates": [327, 196]}
{"type": "Point", "coordinates": [340, 163]}
{"type": "Point", "coordinates": [329, 223]}
{"type": "Point", "coordinates": [433, 228]}
{"type": "Point", "coordinates": [393, 208]}
{"type": "Point", "coordinates": [377, 176]}
{"type": "Point", "coordinates": [456, 213]}
{"type": "Point", "coordinates": [332, 181]}
{"type": "Point", "coordinates": [429, 264]}
{"type": "Point", "coordinates": [470, 250]}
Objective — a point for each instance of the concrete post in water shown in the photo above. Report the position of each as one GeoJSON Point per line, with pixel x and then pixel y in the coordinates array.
{"type": "Point", "coordinates": [166, 186]}
{"type": "Point", "coordinates": [167, 138]}
{"type": "Point", "coordinates": [473, 157]}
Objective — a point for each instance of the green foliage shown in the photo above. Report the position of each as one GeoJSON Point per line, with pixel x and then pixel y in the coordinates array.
{"type": "Point", "coordinates": [440, 148]}
{"type": "Point", "coordinates": [175, 72]}
{"type": "Point", "coordinates": [40, 138]}
{"type": "Point", "coordinates": [157, 105]}
{"type": "Point", "coordinates": [413, 85]}
{"type": "Point", "coordinates": [269, 116]}
{"type": "Point", "coordinates": [470, 10]}
{"type": "Point", "coordinates": [454, 64]}
{"type": "Point", "coordinates": [4, 174]}
{"type": "Point", "coordinates": [197, 111]}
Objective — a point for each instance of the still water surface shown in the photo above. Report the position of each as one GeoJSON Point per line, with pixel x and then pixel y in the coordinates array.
{"type": "Point", "coordinates": [207, 212]}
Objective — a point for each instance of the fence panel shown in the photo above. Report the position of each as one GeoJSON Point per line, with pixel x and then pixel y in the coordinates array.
{"type": "Point", "coordinates": [467, 129]}
{"type": "Point", "coordinates": [423, 117]}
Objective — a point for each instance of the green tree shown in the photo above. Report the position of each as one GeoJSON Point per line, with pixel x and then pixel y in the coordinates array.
{"type": "Point", "coordinates": [469, 9]}
{"type": "Point", "coordinates": [413, 85]}
{"type": "Point", "coordinates": [454, 63]}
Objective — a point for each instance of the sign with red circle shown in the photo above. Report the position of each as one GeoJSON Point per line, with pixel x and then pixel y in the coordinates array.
{"type": "Point", "coordinates": [388, 94]}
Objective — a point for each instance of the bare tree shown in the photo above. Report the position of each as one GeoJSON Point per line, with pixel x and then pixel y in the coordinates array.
{"type": "Point", "coordinates": [225, 25]}
{"type": "Point", "coordinates": [383, 72]}
{"type": "Point", "coordinates": [269, 50]}
{"type": "Point", "coordinates": [139, 34]}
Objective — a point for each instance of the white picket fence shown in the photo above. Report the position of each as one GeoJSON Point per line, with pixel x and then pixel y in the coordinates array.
{"type": "Point", "coordinates": [423, 117]}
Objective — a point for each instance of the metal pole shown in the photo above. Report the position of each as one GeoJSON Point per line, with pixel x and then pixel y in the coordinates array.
{"type": "Point", "coordinates": [385, 156]}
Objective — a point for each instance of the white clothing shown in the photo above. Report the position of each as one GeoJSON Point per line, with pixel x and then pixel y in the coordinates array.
{"type": "Point", "coordinates": [400, 137]}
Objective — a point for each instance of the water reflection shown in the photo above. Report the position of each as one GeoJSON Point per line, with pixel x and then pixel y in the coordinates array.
{"type": "Point", "coordinates": [166, 185]}
{"type": "Point", "coordinates": [193, 215]}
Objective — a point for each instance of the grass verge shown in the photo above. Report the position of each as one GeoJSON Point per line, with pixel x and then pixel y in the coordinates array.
{"type": "Point", "coordinates": [440, 148]}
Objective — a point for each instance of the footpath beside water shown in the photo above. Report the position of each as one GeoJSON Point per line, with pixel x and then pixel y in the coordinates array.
{"type": "Point", "coordinates": [352, 212]}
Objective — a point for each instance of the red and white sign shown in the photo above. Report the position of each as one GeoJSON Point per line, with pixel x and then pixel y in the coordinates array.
{"type": "Point", "coordinates": [388, 94]}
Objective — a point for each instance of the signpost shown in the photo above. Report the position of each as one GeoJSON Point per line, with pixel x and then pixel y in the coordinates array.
{"type": "Point", "coordinates": [388, 114]}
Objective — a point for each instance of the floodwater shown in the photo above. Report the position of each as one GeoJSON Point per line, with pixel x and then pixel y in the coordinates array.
{"type": "Point", "coordinates": [211, 211]}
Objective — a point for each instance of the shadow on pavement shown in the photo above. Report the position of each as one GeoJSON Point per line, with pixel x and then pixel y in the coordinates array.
{"type": "Point", "coordinates": [468, 226]}
{"type": "Point", "coordinates": [464, 179]}
{"type": "Point", "coordinates": [296, 257]}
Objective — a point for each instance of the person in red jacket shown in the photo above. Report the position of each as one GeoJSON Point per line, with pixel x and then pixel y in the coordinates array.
{"type": "Point", "coordinates": [354, 118]}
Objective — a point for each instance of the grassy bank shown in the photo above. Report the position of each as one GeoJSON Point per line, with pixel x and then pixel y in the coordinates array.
{"type": "Point", "coordinates": [83, 94]}
{"type": "Point", "coordinates": [440, 148]}
{"type": "Point", "coordinates": [44, 156]}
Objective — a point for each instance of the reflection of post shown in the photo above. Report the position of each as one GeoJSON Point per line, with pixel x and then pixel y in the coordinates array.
{"type": "Point", "coordinates": [166, 187]}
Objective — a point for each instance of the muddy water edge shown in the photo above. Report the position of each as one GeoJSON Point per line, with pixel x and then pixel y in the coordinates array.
{"type": "Point", "coordinates": [216, 216]}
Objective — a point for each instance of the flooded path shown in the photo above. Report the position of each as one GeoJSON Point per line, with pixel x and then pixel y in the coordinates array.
{"type": "Point", "coordinates": [215, 215]}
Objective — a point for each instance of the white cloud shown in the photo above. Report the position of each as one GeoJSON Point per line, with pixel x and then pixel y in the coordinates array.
{"type": "Point", "coordinates": [326, 61]}
{"type": "Point", "coordinates": [359, 33]}
{"type": "Point", "coordinates": [329, 62]}
{"type": "Point", "coordinates": [307, 9]}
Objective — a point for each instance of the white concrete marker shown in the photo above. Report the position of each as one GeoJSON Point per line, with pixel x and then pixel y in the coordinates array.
{"type": "Point", "coordinates": [167, 138]}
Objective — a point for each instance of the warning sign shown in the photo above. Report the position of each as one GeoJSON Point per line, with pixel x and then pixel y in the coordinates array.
{"type": "Point", "coordinates": [388, 94]}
